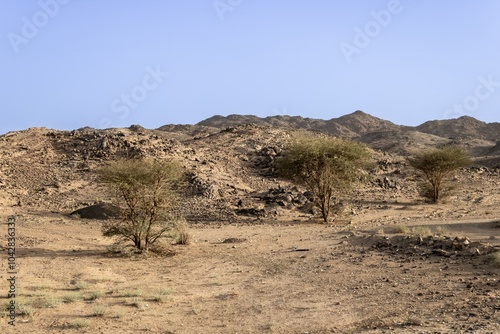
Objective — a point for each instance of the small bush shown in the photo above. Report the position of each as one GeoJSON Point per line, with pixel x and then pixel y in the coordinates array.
{"type": "Point", "coordinates": [160, 296]}
{"type": "Point", "coordinates": [79, 284]}
{"type": "Point", "coordinates": [328, 167]}
{"type": "Point", "coordinates": [418, 230]}
{"type": "Point", "coordinates": [51, 302]}
{"type": "Point", "coordinates": [435, 166]}
{"type": "Point", "coordinates": [23, 307]}
{"type": "Point", "coordinates": [99, 311]}
{"type": "Point", "coordinates": [40, 287]}
{"type": "Point", "coordinates": [118, 314]}
{"type": "Point", "coordinates": [78, 323]}
{"type": "Point", "coordinates": [182, 234]}
{"type": "Point", "coordinates": [72, 297]}
{"type": "Point", "coordinates": [132, 293]}
{"type": "Point", "coordinates": [95, 294]}
{"type": "Point", "coordinates": [421, 230]}
{"type": "Point", "coordinates": [148, 191]}
{"type": "Point", "coordinates": [441, 230]}
{"type": "Point", "coordinates": [402, 229]}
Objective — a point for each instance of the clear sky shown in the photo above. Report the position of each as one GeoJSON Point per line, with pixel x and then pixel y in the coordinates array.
{"type": "Point", "coordinates": [67, 64]}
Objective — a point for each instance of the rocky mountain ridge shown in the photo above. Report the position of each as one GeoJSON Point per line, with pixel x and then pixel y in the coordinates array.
{"type": "Point", "coordinates": [359, 123]}
{"type": "Point", "coordinates": [229, 162]}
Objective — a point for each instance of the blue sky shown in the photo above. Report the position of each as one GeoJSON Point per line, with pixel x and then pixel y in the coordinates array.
{"type": "Point", "coordinates": [66, 64]}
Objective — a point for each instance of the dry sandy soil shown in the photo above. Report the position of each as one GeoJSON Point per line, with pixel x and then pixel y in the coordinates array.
{"type": "Point", "coordinates": [258, 263]}
{"type": "Point", "coordinates": [267, 277]}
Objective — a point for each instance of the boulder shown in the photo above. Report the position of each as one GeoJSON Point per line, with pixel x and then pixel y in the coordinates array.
{"type": "Point", "coordinates": [101, 211]}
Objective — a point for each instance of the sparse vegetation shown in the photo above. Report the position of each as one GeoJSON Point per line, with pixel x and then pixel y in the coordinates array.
{"type": "Point", "coordinates": [51, 302]}
{"type": "Point", "coordinates": [132, 293]}
{"type": "Point", "coordinates": [436, 165]}
{"type": "Point", "coordinates": [182, 234]}
{"type": "Point", "coordinates": [72, 297]}
{"type": "Point", "coordinates": [95, 294]}
{"type": "Point", "coordinates": [39, 287]}
{"type": "Point", "coordinates": [421, 231]}
{"type": "Point", "coordinates": [402, 229]}
{"type": "Point", "coordinates": [148, 192]}
{"type": "Point", "coordinates": [441, 230]}
{"type": "Point", "coordinates": [160, 296]}
{"type": "Point", "coordinates": [417, 230]}
{"type": "Point", "coordinates": [78, 323]}
{"type": "Point", "coordinates": [24, 308]}
{"type": "Point", "coordinates": [99, 311]}
{"type": "Point", "coordinates": [79, 284]}
{"type": "Point", "coordinates": [327, 166]}
{"type": "Point", "coordinates": [118, 314]}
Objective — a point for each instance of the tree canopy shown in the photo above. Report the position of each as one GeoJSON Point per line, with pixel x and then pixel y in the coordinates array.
{"type": "Point", "coordinates": [437, 164]}
{"type": "Point", "coordinates": [327, 166]}
{"type": "Point", "coordinates": [147, 190]}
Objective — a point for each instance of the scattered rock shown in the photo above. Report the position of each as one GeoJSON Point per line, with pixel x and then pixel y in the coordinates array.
{"type": "Point", "coordinates": [100, 211]}
{"type": "Point", "coordinates": [233, 240]}
{"type": "Point", "coordinates": [252, 212]}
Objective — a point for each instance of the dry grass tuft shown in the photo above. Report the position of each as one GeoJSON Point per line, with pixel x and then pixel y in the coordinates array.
{"type": "Point", "coordinates": [95, 294]}
{"type": "Point", "coordinates": [51, 302]}
{"type": "Point", "coordinates": [132, 293]}
{"type": "Point", "coordinates": [401, 229]}
{"type": "Point", "coordinates": [417, 230]}
{"type": "Point", "coordinates": [161, 295]}
{"type": "Point", "coordinates": [78, 323]}
{"type": "Point", "coordinates": [24, 308]}
{"type": "Point", "coordinates": [99, 311]}
{"type": "Point", "coordinates": [79, 284]}
{"type": "Point", "coordinates": [182, 234]}
{"type": "Point", "coordinates": [72, 297]}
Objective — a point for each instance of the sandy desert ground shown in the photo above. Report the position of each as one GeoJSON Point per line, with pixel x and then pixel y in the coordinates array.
{"type": "Point", "coordinates": [268, 277]}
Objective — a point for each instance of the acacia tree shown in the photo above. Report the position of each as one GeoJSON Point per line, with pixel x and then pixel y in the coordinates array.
{"type": "Point", "coordinates": [437, 164]}
{"type": "Point", "coordinates": [147, 192]}
{"type": "Point", "coordinates": [327, 166]}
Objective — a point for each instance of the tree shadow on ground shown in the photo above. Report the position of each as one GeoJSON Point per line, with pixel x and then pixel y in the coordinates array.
{"type": "Point", "coordinates": [24, 252]}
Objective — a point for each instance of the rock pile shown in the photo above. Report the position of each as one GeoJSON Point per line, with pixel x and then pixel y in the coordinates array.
{"type": "Point", "coordinates": [432, 245]}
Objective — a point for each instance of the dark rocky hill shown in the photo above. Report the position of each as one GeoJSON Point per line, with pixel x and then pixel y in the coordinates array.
{"type": "Point", "coordinates": [463, 127]}
{"type": "Point", "coordinates": [478, 136]}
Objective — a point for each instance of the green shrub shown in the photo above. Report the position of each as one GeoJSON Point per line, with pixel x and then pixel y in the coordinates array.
{"type": "Point", "coordinates": [437, 164]}
{"type": "Point", "coordinates": [148, 191]}
{"type": "Point", "coordinates": [326, 166]}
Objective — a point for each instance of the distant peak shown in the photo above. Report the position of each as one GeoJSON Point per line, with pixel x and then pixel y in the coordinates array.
{"type": "Point", "coordinates": [359, 112]}
{"type": "Point", "coordinates": [469, 119]}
